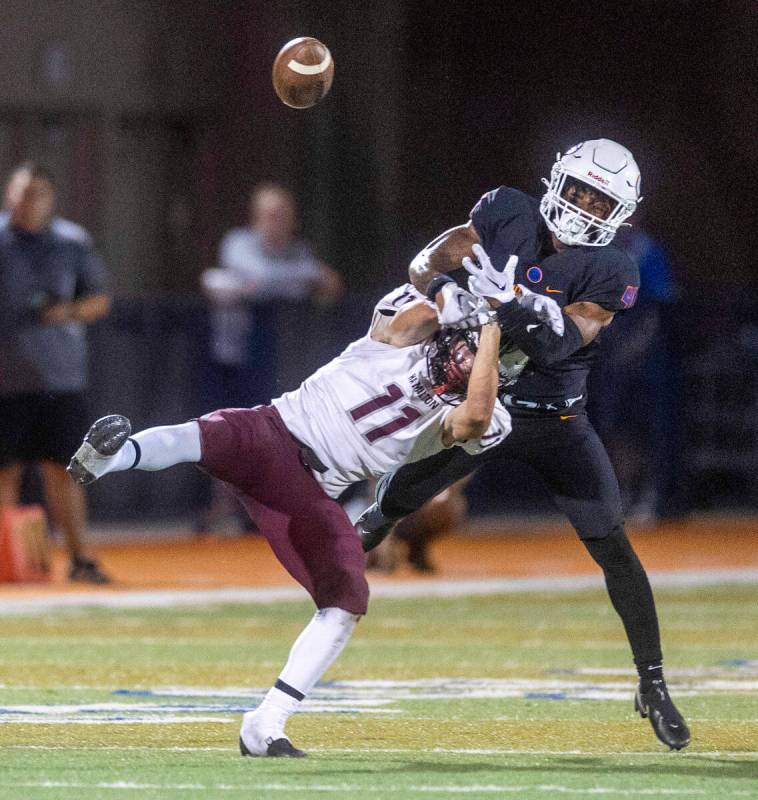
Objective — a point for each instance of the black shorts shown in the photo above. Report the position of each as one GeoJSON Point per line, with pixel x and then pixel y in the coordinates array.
{"type": "Point", "coordinates": [41, 427]}
{"type": "Point", "coordinates": [565, 451]}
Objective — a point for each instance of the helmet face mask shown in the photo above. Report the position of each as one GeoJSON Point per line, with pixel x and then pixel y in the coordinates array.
{"type": "Point", "coordinates": [449, 359]}
{"type": "Point", "coordinates": [605, 167]}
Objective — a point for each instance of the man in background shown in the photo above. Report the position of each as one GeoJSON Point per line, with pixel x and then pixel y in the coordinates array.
{"type": "Point", "coordinates": [52, 284]}
{"type": "Point", "coordinates": [15, 187]}
{"type": "Point", "coordinates": [260, 266]}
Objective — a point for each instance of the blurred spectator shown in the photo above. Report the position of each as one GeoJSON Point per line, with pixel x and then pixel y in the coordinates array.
{"type": "Point", "coordinates": [17, 183]}
{"type": "Point", "coordinates": [260, 265]}
{"type": "Point", "coordinates": [51, 285]}
{"type": "Point", "coordinates": [636, 396]}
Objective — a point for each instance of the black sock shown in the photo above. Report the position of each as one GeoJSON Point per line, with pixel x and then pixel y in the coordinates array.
{"type": "Point", "coordinates": [632, 597]}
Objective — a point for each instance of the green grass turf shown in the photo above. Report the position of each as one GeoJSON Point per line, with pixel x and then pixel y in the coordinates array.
{"type": "Point", "coordinates": [530, 744]}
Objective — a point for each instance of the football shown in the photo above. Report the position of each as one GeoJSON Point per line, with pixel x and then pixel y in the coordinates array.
{"type": "Point", "coordinates": [303, 72]}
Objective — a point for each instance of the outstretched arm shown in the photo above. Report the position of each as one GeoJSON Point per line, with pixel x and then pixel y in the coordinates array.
{"type": "Point", "coordinates": [410, 325]}
{"type": "Point", "coordinates": [442, 255]}
{"type": "Point", "coordinates": [520, 320]}
{"type": "Point", "coordinates": [471, 419]}
{"type": "Point", "coordinates": [583, 321]}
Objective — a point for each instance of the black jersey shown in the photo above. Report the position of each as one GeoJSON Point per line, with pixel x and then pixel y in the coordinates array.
{"type": "Point", "coordinates": [509, 222]}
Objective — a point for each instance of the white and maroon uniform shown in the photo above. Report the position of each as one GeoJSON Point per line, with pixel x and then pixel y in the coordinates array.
{"type": "Point", "coordinates": [370, 409]}
{"type": "Point", "coordinates": [362, 414]}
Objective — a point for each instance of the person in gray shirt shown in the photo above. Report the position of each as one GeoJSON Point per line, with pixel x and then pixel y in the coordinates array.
{"type": "Point", "coordinates": [260, 265]}
{"type": "Point", "coordinates": [51, 285]}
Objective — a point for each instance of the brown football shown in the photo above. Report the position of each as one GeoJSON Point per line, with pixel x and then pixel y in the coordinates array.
{"type": "Point", "coordinates": [303, 72]}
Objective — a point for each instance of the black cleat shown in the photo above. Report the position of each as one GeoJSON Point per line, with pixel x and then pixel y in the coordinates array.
{"type": "Point", "coordinates": [86, 570]}
{"type": "Point", "coordinates": [277, 748]}
{"type": "Point", "coordinates": [373, 527]}
{"type": "Point", "coordinates": [668, 724]}
{"type": "Point", "coordinates": [104, 439]}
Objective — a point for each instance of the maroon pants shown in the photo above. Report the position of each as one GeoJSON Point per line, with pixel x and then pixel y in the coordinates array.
{"type": "Point", "coordinates": [252, 450]}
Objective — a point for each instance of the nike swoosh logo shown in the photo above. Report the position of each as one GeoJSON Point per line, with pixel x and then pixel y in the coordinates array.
{"type": "Point", "coordinates": [553, 291]}
{"type": "Point", "coordinates": [532, 327]}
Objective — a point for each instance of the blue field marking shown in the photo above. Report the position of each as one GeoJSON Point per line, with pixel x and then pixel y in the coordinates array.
{"type": "Point", "coordinates": [224, 704]}
{"type": "Point", "coordinates": [546, 696]}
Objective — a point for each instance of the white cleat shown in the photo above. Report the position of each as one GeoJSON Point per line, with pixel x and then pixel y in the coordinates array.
{"type": "Point", "coordinates": [103, 440]}
{"type": "Point", "coordinates": [253, 742]}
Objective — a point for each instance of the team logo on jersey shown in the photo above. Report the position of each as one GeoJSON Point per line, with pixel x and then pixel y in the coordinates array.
{"type": "Point", "coordinates": [534, 274]}
{"type": "Point", "coordinates": [629, 296]}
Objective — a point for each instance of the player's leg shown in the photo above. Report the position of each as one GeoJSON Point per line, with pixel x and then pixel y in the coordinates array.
{"type": "Point", "coordinates": [107, 447]}
{"type": "Point", "coordinates": [312, 537]}
{"type": "Point", "coordinates": [315, 542]}
{"type": "Point", "coordinates": [263, 730]}
{"type": "Point", "coordinates": [572, 461]}
{"type": "Point", "coordinates": [407, 488]}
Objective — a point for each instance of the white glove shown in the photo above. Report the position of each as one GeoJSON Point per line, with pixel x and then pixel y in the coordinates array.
{"type": "Point", "coordinates": [485, 280]}
{"type": "Point", "coordinates": [461, 309]}
{"type": "Point", "coordinates": [546, 309]}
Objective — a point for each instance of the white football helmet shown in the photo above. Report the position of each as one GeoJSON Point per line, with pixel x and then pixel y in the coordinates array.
{"type": "Point", "coordinates": [604, 166]}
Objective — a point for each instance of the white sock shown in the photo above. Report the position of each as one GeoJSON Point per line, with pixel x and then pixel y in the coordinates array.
{"type": "Point", "coordinates": [159, 448]}
{"type": "Point", "coordinates": [313, 652]}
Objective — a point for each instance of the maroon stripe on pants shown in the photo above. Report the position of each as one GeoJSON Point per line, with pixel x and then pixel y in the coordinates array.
{"type": "Point", "coordinates": [252, 450]}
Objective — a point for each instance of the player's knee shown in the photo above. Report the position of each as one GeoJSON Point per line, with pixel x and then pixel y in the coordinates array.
{"type": "Point", "coordinates": [346, 589]}
{"type": "Point", "coordinates": [342, 619]}
{"type": "Point", "coordinates": [599, 520]}
{"type": "Point", "coordinates": [613, 551]}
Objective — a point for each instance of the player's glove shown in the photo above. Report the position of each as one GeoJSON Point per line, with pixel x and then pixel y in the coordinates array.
{"type": "Point", "coordinates": [486, 281]}
{"type": "Point", "coordinates": [545, 308]}
{"type": "Point", "coordinates": [461, 309]}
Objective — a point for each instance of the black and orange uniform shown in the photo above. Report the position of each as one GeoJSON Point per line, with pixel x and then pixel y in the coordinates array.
{"type": "Point", "coordinates": [551, 432]}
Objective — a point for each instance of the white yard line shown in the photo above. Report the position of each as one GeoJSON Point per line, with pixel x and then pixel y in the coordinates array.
{"type": "Point", "coordinates": [168, 598]}
{"type": "Point", "coordinates": [384, 789]}
{"type": "Point", "coordinates": [465, 751]}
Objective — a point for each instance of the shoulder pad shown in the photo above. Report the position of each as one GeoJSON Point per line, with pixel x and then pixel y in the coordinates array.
{"type": "Point", "coordinates": [398, 298]}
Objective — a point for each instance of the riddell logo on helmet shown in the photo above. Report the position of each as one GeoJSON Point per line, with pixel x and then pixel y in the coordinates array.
{"type": "Point", "coordinates": [600, 178]}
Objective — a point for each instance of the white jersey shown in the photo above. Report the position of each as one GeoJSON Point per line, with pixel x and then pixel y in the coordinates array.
{"type": "Point", "coordinates": [370, 409]}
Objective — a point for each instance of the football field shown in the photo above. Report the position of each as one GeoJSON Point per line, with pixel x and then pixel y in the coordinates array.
{"type": "Point", "coordinates": [524, 695]}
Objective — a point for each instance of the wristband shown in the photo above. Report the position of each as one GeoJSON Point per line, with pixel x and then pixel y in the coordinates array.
{"type": "Point", "coordinates": [438, 281]}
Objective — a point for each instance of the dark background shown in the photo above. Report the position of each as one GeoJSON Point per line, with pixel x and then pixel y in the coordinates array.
{"type": "Point", "coordinates": [158, 117]}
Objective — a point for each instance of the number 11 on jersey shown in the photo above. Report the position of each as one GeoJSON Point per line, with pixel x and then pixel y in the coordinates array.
{"type": "Point", "coordinates": [392, 394]}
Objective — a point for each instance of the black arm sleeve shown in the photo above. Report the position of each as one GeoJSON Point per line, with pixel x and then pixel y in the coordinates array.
{"type": "Point", "coordinates": [541, 344]}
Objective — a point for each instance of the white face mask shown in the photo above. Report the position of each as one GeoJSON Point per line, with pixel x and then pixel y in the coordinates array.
{"type": "Point", "coordinates": [606, 167]}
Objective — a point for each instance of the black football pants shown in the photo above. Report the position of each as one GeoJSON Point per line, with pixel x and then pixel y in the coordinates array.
{"type": "Point", "coordinates": [568, 455]}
